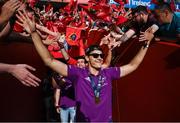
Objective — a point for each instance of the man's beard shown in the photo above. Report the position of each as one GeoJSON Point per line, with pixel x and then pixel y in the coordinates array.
{"type": "Point", "coordinates": [141, 23]}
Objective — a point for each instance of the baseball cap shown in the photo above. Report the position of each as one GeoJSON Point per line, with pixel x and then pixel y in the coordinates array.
{"type": "Point", "coordinates": [92, 48]}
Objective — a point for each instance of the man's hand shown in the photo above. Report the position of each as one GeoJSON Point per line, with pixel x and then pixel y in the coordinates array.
{"type": "Point", "coordinates": [146, 36]}
{"type": "Point", "coordinates": [49, 41]}
{"type": "Point", "coordinates": [105, 40]}
{"type": "Point", "coordinates": [58, 109]}
{"type": "Point", "coordinates": [9, 8]}
{"type": "Point", "coordinates": [116, 35]}
{"type": "Point", "coordinates": [116, 44]}
{"type": "Point", "coordinates": [28, 24]}
{"type": "Point", "coordinates": [61, 38]}
{"type": "Point", "coordinates": [111, 42]}
{"type": "Point", "coordinates": [21, 72]}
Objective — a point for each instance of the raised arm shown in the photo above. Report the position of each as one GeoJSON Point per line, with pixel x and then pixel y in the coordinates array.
{"type": "Point", "coordinates": [62, 49]}
{"type": "Point", "coordinates": [107, 61]}
{"type": "Point", "coordinates": [135, 62]}
{"type": "Point", "coordinates": [29, 26]}
{"type": "Point", "coordinates": [126, 36]}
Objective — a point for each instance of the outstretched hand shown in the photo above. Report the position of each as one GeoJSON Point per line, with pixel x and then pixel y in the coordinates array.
{"type": "Point", "coordinates": [9, 8]}
{"type": "Point", "coordinates": [21, 72]}
{"type": "Point", "coordinates": [28, 24]}
{"type": "Point", "coordinates": [146, 36]}
{"type": "Point", "coordinates": [110, 42]}
{"type": "Point", "coordinates": [61, 38]}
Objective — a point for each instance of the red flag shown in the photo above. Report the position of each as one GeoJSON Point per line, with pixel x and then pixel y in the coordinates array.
{"type": "Point", "coordinates": [90, 12]}
{"type": "Point", "coordinates": [73, 36]}
{"type": "Point", "coordinates": [101, 14]}
{"type": "Point", "coordinates": [121, 20]}
{"type": "Point", "coordinates": [95, 36]}
{"type": "Point", "coordinates": [114, 7]}
{"type": "Point", "coordinates": [49, 6]}
{"type": "Point", "coordinates": [18, 28]}
{"type": "Point", "coordinates": [54, 49]}
{"type": "Point", "coordinates": [81, 48]}
{"type": "Point", "coordinates": [73, 3]}
{"type": "Point", "coordinates": [104, 1]}
{"type": "Point", "coordinates": [72, 6]}
{"type": "Point", "coordinates": [49, 25]}
{"type": "Point", "coordinates": [172, 5]}
{"type": "Point", "coordinates": [98, 12]}
{"type": "Point", "coordinates": [32, 3]}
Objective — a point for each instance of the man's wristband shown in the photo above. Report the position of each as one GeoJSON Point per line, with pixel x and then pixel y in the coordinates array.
{"type": "Point", "coordinates": [57, 106]}
{"type": "Point", "coordinates": [33, 32]}
{"type": "Point", "coordinates": [146, 45]}
{"type": "Point", "coordinates": [61, 45]}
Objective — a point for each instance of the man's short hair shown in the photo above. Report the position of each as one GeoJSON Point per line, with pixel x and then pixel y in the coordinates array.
{"type": "Point", "coordinates": [80, 57]}
{"type": "Point", "coordinates": [163, 6]}
{"type": "Point", "coordinates": [92, 48]}
{"type": "Point", "coordinates": [2, 2]}
{"type": "Point", "coordinates": [140, 9]}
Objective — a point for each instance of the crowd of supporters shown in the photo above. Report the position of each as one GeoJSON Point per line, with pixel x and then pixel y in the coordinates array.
{"type": "Point", "coordinates": [77, 30]}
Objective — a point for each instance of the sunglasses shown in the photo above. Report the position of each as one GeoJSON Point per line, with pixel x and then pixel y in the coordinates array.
{"type": "Point", "coordinates": [96, 55]}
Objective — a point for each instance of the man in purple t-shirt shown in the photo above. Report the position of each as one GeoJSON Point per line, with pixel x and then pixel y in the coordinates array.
{"type": "Point", "coordinates": [92, 84]}
{"type": "Point", "coordinates": [93, 91]}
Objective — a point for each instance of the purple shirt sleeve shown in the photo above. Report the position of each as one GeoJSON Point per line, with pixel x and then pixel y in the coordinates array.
{"type": "Point", "coordinates": [114, 72]}
{"type": "Point", "coordinates": [73, 73]}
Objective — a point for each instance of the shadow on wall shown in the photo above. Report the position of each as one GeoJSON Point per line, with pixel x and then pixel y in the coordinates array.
{"type": "Point", "coordinates": [173, 59]}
